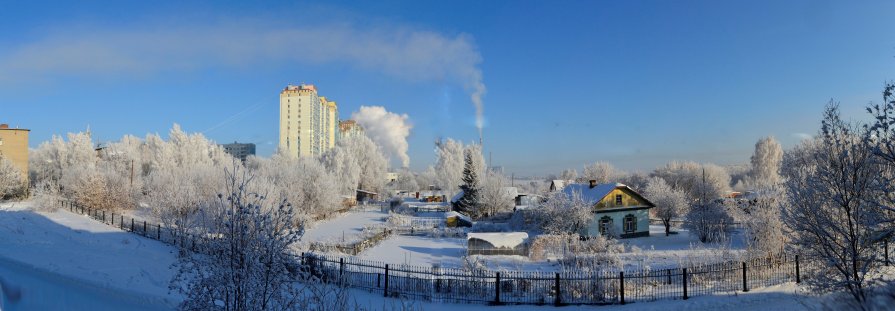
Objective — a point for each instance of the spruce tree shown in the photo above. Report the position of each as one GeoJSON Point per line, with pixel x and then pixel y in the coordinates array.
{"type": "Point", "coordinates": [469, 202]}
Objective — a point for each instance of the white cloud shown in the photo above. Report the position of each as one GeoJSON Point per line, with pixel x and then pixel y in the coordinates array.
{"type": "Point", "coordinates": [398, 51]}
{"type": "Point", "coordinates": [388, 130]}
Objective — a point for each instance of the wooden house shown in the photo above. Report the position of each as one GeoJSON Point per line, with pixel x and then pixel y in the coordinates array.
{"type": "Point", "coordinates": [618, 210]}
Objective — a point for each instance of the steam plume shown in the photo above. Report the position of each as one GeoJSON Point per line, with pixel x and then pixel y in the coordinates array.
{"type": "Point", "coordinates": [388, 130]}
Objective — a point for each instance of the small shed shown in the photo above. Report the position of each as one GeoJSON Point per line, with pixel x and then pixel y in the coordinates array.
{"type": "Point", "coordinates": [365, 196]}
{"type": "Point", "coordinates": [497, 243]}
{"type": "Point", "coordinates": [455, 219]}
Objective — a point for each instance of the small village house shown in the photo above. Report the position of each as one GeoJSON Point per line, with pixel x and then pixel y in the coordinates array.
{"type": "Point", "coordinates": [618, 209]}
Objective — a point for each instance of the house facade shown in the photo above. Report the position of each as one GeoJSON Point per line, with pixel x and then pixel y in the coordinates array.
{"type": "Point", "coordinates": [617, 209]}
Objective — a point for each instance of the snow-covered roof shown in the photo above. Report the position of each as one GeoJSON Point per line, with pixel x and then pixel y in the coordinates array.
{"type": "Point", "coordinates": [500, 239]}
{"type": "Point", "coordinates": [456, 214]}
{"type": "Point", "coordinates": [457, 196]}
{"type": "Point", "coordinates": [559, 183]}
{"type": "Point", "coordinates": [592, 195]}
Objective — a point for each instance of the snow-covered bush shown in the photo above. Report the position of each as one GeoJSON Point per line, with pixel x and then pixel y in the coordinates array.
{"type": "Point", "coordinates": [710, 222]}
{"type": "Point", "coordinates": [248, 264]}
{"type": "Point", "coordinates": [449, 163]}
{"type": "Point", "coordinates": [12, 182]}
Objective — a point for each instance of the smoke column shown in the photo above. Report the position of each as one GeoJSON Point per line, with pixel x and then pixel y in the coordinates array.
{"type": "Point", "coordinates": [387, 129]}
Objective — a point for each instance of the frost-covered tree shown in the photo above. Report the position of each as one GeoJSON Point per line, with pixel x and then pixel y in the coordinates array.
{"type": "Point", "coordinates": [764, 228]}
{"type": "Point", "coordinates": [568, 174]}
{"type": "Point", "coordinates": [495, 196]}
{"type": "Point", "coordinates": [637, 180]}
{"type": "Point", "coordinates": [564, 213]}
{"type": "Point", "coordinates": [469, 201]}
{"type": "Point", "coordinates": [766, 163]}
{"type": "Point", "coordinates": [701, 182]}
{"type": "Point", "coordinates": [305, 182]}
{"type": "Point", "coordinates": [670, 203]}
{"type": "Point", "coordinates": [358, 163]}
{"type": "Point", "coordinates": [449, 163]}
{"type": "Point", "coordinates": [880, 136]}
{"type": "Point", "coordinates": [406, 181]}
{"type": "Point", "coordinates": [12, 182]}
{"type": "Point", "coordinates": [602, 172]}
{"type": "Point", "coordinates": [246, 261]}
{"type": "Point", "coordinates": [830, 185]}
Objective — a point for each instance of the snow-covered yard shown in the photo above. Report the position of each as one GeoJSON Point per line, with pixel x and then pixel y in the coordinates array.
{"type": "Point", "coordinates": [345, 228]}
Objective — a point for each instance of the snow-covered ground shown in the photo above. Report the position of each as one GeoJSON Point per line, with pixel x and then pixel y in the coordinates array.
{"type": "Point", "coordinates": [784, 297]}
{"type": "Point", "coordinates": [660, 251]}
{"type": "Point", "coordinates": [61, 260]}
{"type": "Point", "coordinates": [345, 228]}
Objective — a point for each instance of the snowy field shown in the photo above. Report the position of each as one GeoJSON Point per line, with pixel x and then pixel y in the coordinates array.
{"type": "Point", "coordinates": [61, 260]}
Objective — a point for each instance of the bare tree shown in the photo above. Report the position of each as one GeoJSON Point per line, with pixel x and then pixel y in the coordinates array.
{"type": "Point", "coordinates": [829, 182]}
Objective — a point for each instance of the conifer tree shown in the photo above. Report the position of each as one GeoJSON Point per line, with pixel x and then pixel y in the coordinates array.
{"type": "Point", "coordinates": [469, 202]}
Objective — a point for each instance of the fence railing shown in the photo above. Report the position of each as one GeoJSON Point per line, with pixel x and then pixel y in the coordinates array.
{"type": "Point", "coordinates": [601, 286]}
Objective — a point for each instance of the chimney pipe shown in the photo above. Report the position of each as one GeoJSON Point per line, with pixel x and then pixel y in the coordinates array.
{"type": "Point", "coordinates": [593, 183]}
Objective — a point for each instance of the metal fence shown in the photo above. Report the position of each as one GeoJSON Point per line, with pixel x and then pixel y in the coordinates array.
{"type": "Point", "coordinates": [517, 287]}
{"type": "Point", "coordinates": [533, 287]}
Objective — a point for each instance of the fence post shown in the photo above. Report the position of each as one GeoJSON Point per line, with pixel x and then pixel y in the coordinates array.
{"type": "Point", "coordinates": [886, 247]}
{"type": "Point", "coordinates": [745, 288]}
{"type": "Point", "coordinates": [558, 292]}
{"type": "Point", "coordinates": [341, 268]}
{"type": "Point", "coordinates": [132, 224]}
{"type": "Point", "coordinates": [798, 277]}
{"type": "Point", "coordinates": [144, 228]}
{"type": "Point", "coordinates": [621, 286]}
{"type": "Point", "coordinates": [158, 232]}
{"type": "Point", "coordinates": [385, 291]}
{"type": "Point", "coordinates": [121, 222]}
{"type": "Point", "coordinates": [685, 283]}
{"type": "Point", "coordinates": [497, 288]}
{"type": "Point", "coordinates": [104, 216]}
{"type": "Point", "coordinates": [668, 273]}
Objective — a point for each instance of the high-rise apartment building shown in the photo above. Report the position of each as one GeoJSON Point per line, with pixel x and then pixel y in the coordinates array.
{"type": "Point", "coordinates": [349, 128]}
{"type": "Point", "coordinates": [307, 121]}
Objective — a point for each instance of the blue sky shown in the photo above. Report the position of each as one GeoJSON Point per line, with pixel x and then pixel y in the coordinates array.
{"type": "Point", "coordinates": [635, 83]}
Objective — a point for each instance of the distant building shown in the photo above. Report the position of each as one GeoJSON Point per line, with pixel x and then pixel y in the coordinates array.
{"type": "Point", "coordinates": [14, 146]}
{"type": "Point", "coordinates": [391, 176]}
{"type": "Point", "coordinates": [308, 122]}
{"type": "Point", "coordinates": [349, 128]}
{"type": "Point", "coordinates": [239, 151]}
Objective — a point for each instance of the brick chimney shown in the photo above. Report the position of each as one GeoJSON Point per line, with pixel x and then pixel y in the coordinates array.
{"type": "Point", "coordinates": [593, 183]}
{"type": "Point", "coordinates": [4, 126]}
